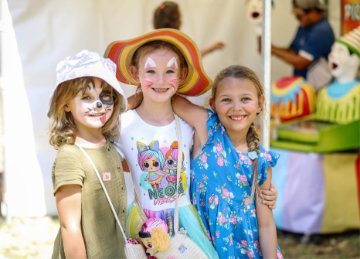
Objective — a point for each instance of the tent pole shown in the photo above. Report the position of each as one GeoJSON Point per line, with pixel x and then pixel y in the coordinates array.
{"type": "Point", "coordinates": [266, 57]}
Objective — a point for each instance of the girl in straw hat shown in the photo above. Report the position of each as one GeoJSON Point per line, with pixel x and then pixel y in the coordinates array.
{"type": "Point", "coordinates": [84, 111]}
{"type": "Point", "coordinates": [161, 63]}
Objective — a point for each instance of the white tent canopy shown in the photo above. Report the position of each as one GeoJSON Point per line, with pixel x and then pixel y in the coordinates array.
{"type": "Point", "coordinates": [36, 34]}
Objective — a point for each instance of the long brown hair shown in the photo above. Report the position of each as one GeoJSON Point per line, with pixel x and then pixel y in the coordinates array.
{"type": "Point", "coordinates": [252, 137]}
{"type": "Point", "coordinates": [62, 125]}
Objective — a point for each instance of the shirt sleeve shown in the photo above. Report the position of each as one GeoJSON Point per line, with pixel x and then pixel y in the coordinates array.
{"type": "Point", "coordinates": [67, 168]}
{"type": "Point", "coordinates": [266, 159]}
{"type": "Point", "coordinates": [314, 47]}
{"type": "Point", "coordinates": [212, 124]}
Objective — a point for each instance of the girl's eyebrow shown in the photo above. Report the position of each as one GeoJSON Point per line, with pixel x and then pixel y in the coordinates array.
{"type": "Point", "coordinates": [241, 95]}
{"type": "Point", "coordinates": [223, 95]}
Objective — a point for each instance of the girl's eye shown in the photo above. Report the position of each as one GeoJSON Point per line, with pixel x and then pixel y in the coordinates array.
{"type": "Point", "coordinates": [150, 71]}
{"type": "Point", "coordinates": [170, 72]}
{"type": "Point", "coordinates": [86, 98]}
{"type": "Point", "coordinates": [226, 100]}
{"type": "Point", "coordinates": [106, 98]}
{"type": "Point", "coordinates": [245, 99]}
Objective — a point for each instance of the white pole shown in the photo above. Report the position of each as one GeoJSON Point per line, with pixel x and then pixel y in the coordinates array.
{"type": "Point", "coordinates": [266, 55]}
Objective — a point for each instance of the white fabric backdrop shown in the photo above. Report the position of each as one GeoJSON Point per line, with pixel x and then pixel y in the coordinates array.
{"type": "Point", "coordinates": [38, 33]}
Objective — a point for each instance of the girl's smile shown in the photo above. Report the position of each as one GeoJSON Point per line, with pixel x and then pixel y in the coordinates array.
{"type": "Point", "coordinates": [236, 104]}
{"type": "Point", "coordinates": [92, 107]}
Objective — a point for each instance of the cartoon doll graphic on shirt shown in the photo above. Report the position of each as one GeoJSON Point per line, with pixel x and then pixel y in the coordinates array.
{"type": "Point", "coordinates": [159, 166]}
{"type": "Point", "coordinates": [170, 166]}
{"type": "Point", "coordinates": [151, 160]}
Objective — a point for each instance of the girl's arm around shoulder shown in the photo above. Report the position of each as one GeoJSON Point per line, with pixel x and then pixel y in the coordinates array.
{"type": "Point", "coordinates": [196, 116]}
{"type": "Point", "coordinates": [68, 203]}
{"type": "Point", "coordinates": [267, 228]}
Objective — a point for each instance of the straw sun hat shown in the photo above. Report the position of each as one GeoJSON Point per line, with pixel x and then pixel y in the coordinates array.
{"type": "Point", "coordinates": [121, 52]}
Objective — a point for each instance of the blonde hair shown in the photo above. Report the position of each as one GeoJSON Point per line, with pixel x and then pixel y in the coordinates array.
{"type": "Point", "coordinates": [160, 239]}
{"type": "Point", "coordinates": [150, 47]}
{"type": "Point", "coordinates": [62, 125]}
{"type": "Point", "coordinates": [252, 137]}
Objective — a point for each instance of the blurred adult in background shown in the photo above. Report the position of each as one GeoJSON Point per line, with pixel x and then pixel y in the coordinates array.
{"type": "Point", "coordinates": [168, 15]}
{"type": "Point", "coordinates": [312, 43]}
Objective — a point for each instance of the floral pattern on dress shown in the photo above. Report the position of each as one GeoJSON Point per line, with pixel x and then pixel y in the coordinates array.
{"type": "Point", "coordinates": [221, 191]}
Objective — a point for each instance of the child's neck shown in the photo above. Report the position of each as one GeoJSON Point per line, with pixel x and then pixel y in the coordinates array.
{"type": "Point", "coordinates": [238, 139]}
{"type": "Point", "coordinates": [157, 114]}
{"type": "Point", "coordinates": [90, 139]}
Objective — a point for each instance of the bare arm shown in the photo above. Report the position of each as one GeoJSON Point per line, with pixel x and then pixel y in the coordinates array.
{"type": "Point", "coordinates": [68, 203]}
{"type": "Point", "coordinates": [196, 116]}
{"type": "Point", "coordinates": [215, 46]}
{"type": "Point", "coordinates": [291, 57]}
{"type": "Point", "coordinates": [267, 228]}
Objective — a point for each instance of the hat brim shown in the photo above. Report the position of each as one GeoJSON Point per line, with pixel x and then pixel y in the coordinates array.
{"type": "Point", "coordinates": [97, 70]}
{"type": "Point", "coordinates": [121, 52]}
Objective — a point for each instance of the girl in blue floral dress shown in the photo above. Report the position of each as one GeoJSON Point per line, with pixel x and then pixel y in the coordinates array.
{"type": "Point", "coordinates": [230, 166]}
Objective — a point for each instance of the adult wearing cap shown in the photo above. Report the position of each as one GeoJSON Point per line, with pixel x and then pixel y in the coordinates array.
{"type": "Point", "coordinates": [313, 39]}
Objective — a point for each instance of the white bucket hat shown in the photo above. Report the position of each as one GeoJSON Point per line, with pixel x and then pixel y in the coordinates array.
{"type": "Point", "coordinates": [87, 63]}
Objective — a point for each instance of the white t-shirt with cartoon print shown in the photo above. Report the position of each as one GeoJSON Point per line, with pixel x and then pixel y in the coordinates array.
{"type": "Point", "coordinates": [151, 152]}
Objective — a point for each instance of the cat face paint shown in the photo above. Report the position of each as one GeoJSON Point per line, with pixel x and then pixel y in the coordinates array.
{"type": "Point", "coordinates": [159, 68]}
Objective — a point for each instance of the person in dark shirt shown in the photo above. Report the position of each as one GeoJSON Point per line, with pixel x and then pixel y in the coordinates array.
{"type": "Point", "coordinates": [313, 39]}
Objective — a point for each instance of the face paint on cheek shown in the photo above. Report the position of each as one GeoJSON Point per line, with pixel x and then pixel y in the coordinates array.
{"type": "Point", "coordinates": [172, 63]}
{"type": "Point", "coordinates": [106, 116]}
{"type": "Point", "coordinates": [88, 107]}
{"type": "Point", "coordinates": [148, 82]}
{"type": "Point", "coordinates": [103, 119]}
{"type": "Point", "coordinates": [174, 82]}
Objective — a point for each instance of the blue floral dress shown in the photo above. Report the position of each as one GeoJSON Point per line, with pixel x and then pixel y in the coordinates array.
{"type": "Point", "coordinates": [221, 191]}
